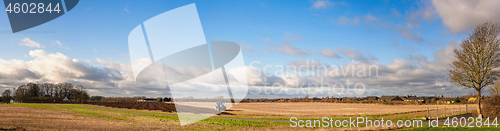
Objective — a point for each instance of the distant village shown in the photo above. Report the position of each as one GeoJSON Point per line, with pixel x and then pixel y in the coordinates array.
{"type": "Point", "coordinates": [382, 99]}
{"type": "Point", "coordinates": [391, 100]}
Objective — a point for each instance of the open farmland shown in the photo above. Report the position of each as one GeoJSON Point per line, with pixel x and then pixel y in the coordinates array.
{"type": "Point", "coordinates": [248, 116]}
{"type": "Point", "coordinates": [92, 117]}
{"type": "Point", "coordinates": [165, 107]}
{"type": "Point", "coordinates": [305, 110]}
{"type": "Point", "coordinates": [320, 109]}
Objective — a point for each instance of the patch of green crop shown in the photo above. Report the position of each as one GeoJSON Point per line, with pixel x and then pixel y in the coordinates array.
{"type": "Point", "coordinates": [165, 117]}
{"type": "Point", "coordinates": [56, 107]}
{"type": "Point", "coordinates": [454, 129]}
{"type": "Point", "coordinates": [96, 113]}
{"type": "Point", "coordinates": [251, 123]}
{"type": "Point", "coordinates": [117, 109]}
{"type": "Point", "coordinates": [37, 106]}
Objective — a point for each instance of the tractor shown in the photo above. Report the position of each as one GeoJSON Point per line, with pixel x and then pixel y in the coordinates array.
{"type": "Point", "coordinates": [220, 106]}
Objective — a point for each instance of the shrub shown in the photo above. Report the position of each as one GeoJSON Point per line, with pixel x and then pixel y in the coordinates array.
{"type": "Point", "coordinates": [491, 107]}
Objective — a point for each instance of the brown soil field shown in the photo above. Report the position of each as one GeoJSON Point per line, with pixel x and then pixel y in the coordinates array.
{"type": "Point", "coordinates": [26, 118]}
{"type": "Point", "coordinates": [302, 109]}
{"type": "Point", "coordinates": [66, 117]}
{"type": "Point", "coordinates": [166, 107]}
{"type": "Point", "coordinates": [321, 109]}
{"type": "Point", "coordinates": [95, 117]}
{"type": "Point", "coordinates": [210, 105]}
{"type": "Point", "coordinates": [63, 117]}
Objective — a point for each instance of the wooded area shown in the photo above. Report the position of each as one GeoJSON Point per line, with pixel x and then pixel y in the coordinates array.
{"type": "Point", "coordinates": [46, 92]}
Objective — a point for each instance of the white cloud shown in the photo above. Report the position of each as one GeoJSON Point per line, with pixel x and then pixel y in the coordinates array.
{"type": "Point", "coordinates": [407, 30]}
{"type": "Point", "coordinates": [355, 54]}
{"type": "Point", "coordinates": [321, 4]}
{"type": "Point", "coordinates": [325, 4]}
{"type": "Point", "coordinates": [106, 78]}
{"type": "Point", "coordinates": [463, 15]}
{"type": "Point", "coordinates": [408, 33]}
{"type": "Point", "coordinates": [372, 57]}
{"type": "Point", "coordinates": [371, 18]}
{"type": "Point", "coordinates": [425, 12]}
{"type": "Point", "coordinates": [56, 68]}
{"type": "Point", "coordinates": [16, 70]}
{"type": "Point", "coordinates": [126, 10]}
{"type": "Point", "coordinates": [247, 48]}
{"type": "Point", "coordinates": [267, 39]}
{"type": "Point", "coordinates": [343, 20]}
{"type": "Point", "coordinates": [395, 12]}
{"type": "Point", "coordinates": [58, 43]}
{"type": "Point", "coordinates": [329, 53]}
{"type": "Point", "coordinates": [400, 77]}
{"type": "Point", "coordinates": [114, 65]}
{"type": "Point", "coordinates": [288, 38]}
{"type": "Point", "coordinates": [95, 50]}
{"type": "Point", "coordinates": [288, 49]}
{"type": "Point", "coordinates": [59, 67]}
{"type": "Point", "coordinates": [263, 4]}
{"type": "Point", "coordinates": [306, 65]}
{"type": "Point", "coordinates": [110, 78]}
{"type": "Point", "coordinates": [417, 57]}
{"type": "Point", "coordinates": [291, 37]}
{"type": "Point", "coordinates": [30, 43]}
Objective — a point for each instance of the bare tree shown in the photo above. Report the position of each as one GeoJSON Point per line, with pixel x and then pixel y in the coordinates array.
{"type": "Point", "coordinates": [495, 88]}
{"type": "Point", "coordinates": [33, 90]}
{"type": "Point", "coordinates": [80, 87]}
{"type": "Point", "coordinates": [477, 61]}
{"type": "Point", "coordinates": [20, 92]}
{"type": "Point", "coordinates": [6, 95]}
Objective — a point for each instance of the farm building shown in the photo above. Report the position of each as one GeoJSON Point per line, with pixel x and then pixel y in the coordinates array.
{"type": "Point", "coordinates": [390, 98]}
{"type": "Point", "coordinates": [293, 100]}
{"type": "Point", "coordinates": [404, 98]}
{"type": "Point", "coordinates": [371, 98]}
{"type": "Point", "coordinates": [350, 99]}
{"type": "Point", "coordinates": [421, 99]}
{"type": "Point", "coordinates": [13, 101]}
{"type": "Point", "coordinates": [446, 101]}
{"type": "Point", "coordinates": [412, 99]}
{"type": "Point", "coordinates": [66, 99]}
{"type": "Point", "coordinates": [146, 100]}
{"type": "Point", "coordinates": [426, 98]}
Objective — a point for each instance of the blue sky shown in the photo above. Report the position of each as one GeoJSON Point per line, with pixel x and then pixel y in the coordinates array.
{"type": "Point", "coordinates": [103, 25]}
{"type": "Point", "coordinates": [274, 32]}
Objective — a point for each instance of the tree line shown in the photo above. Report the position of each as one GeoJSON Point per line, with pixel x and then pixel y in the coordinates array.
{"type": "Point", "coordinates": [126, 99]}
{"type": "Point", "coordinates": [45, 92]}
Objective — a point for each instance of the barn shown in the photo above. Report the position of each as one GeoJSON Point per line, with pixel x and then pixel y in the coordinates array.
{"type": "Point", "coordinates": [390, 98]}
{"type": "Point", "coordinates": [146, 100]}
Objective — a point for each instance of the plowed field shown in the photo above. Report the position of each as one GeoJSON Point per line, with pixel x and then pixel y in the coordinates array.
{"type": "Point", "coordinates": [166, 107]}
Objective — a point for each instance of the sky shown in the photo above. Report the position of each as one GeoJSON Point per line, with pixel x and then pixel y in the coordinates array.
{"type": "Point", "coordinates": [410, 42]}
